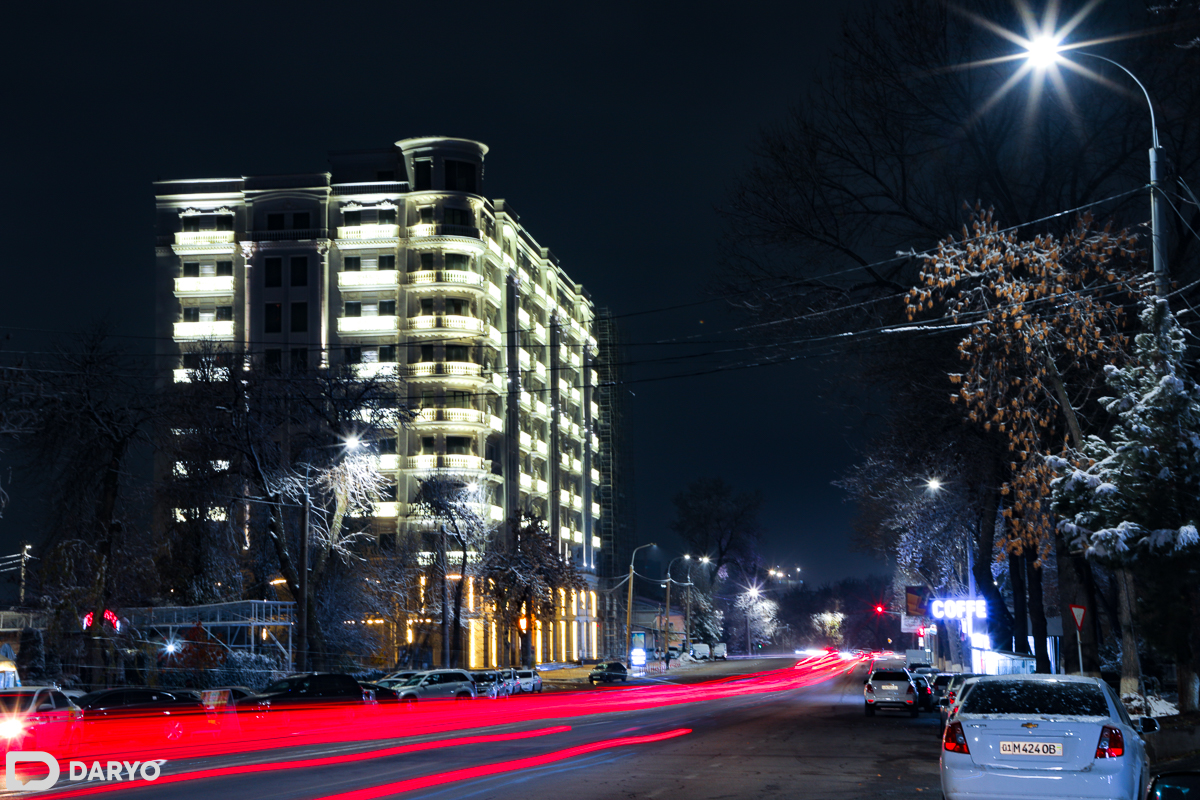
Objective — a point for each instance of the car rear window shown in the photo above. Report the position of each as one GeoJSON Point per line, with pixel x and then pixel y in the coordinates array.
{"type": "Point", "coordinates": [1036, 697]}
{"type": "Point", "coordinates": [942, 680]}
{"type": "Point", "coordinates": [12, 702]}
{"type": "Point", "coordinates": [890, 675]}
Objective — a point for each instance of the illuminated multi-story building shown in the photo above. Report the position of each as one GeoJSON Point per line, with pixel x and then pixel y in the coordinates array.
{"type": "Point", "coordinates": [395, 261]}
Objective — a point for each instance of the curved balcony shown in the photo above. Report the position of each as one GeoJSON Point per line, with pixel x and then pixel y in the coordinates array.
{"type": "Point", "coordinates": [445, 279]}
{"type": "Point", "coordinates": [193, 331]}
{"type": "Point", "coordinates": [198, 287]}
{"type": "Point", "coordinates": [446, 371]}
{"type": "Point", "coordinates": [369, 279]}
{"type": "Point", "coordinates": [449, 462]}
{"type": "Point", "coordinates": [379, 324]}
{"type": "Point", "coordinates": [368, 232]}
{"type": "Point", "coordinates": [376, 369]}
{"type": "Point", "coordinates": [449, 417]}
{"type": "Point", "coordinates": [425, 229]}
{"type": "Point", "coordinates": [205, 237]}
{"type": "Point", "coordinates": [443, 323]}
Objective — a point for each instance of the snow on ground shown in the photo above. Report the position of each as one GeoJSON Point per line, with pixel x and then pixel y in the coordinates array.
{"type": "Point", "coordinates": [1148, 706]}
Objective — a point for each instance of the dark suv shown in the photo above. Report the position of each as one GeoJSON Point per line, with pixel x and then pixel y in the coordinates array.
{"type": "Point", "coordinates": [608, 672]}
{"type": "Point", "coordinates": [306, 689]}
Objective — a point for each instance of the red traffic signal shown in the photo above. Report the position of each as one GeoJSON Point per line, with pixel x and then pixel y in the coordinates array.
{"type": "Point", "coordinates": [879, 609]}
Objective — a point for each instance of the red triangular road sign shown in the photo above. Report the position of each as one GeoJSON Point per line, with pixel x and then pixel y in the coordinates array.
{"type": "Point", "coordinates": [1078, 612]}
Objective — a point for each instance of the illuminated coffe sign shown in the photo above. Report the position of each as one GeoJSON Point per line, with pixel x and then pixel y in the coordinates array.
{"type": "Point", "coordinates": [961, 608]}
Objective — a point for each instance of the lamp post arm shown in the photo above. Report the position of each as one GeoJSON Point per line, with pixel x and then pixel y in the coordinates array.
{"type": "Point", "coordinates": [1146, 94]}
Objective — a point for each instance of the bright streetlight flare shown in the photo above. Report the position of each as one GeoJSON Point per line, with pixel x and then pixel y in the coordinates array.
{"type": "Point", "coordinates": [934, 484]}
{"type": "Point", "coordinates": [1043, 51]}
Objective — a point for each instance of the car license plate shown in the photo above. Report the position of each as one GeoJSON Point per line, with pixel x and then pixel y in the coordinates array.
{"type": "Point", "coordinates": [1031, 748]}
{"type": "Point", "coordinates": [889, 687]}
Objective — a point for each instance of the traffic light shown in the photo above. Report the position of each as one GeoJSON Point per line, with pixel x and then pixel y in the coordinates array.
{"type": "Point", "coordinates": [879, 609]}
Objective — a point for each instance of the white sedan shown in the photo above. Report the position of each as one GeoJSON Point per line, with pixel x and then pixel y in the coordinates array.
{"type": "Point", "coordinates": [1043, 736]}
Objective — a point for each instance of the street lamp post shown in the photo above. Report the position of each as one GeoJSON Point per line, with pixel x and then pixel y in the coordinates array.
{"type": "Point", "coordinates": [1045, 51]}
{"type": "Point", "coordinates": [667, 624]}
{"type": "Point", "coordinates": [753, 593]}
{"type": "Point", "coordinates": [629, 606]}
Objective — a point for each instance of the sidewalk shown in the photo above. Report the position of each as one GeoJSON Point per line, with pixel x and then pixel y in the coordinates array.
{"type": "Point", "coordinates": [572, 676]}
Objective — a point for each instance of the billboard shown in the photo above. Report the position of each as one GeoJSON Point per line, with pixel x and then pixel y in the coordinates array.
{"type": "Point", "coordinates": [916, 601]}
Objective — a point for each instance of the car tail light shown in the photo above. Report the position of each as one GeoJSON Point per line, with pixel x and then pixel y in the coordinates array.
{"type": "Point", "coordinates": [1111, 744]}
{"type": "Point", "coordinates": [955, 740]}
{"type": "Point", "coordinates": [910, 689]}
{"type": "Point", "coordinates": [870, 689]}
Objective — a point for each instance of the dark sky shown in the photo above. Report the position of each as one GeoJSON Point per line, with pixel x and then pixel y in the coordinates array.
{"type": "Point", "coordinates": [615, 130]}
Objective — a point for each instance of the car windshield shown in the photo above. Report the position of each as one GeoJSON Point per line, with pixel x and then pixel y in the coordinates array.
{"type": "Point", "coordinates": [890, 675]}
{"type": "Point", "coordinates": [12, 702]}
{"type": "Point", "coordinates": [1049, 698]}
{"type": "Point", "coordinates": [285, 684]}
{"type": "Point", "coordinates": [413, 681]}
{"type": "Point", "coordinates": [483, 677]}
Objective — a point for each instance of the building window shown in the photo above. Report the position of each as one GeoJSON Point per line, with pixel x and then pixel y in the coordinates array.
{"type": "Point", "coordinates": [354, 309]}
{"type": "Point", "coordinates": [387, 352]}
{"type": "Point", "coordinates": [224, 313]}
{"type": "Point", "coordinates": [425, 355]}
{"type": "Point", "coordinates": [459, 400]}
{"type": "Point", "coordinates": [352, 264]}
{"type": "Point", "coordinates": [458, 216]}
{"type": "Point", "coordinates": [423, 174]}
{"type": "Point", "coordinates": [458, 352]}
{"type": "Point", "coordinates": [275, 222]}
{"type": "Point", "coordinates": [387, 216]}
{"type": "Point", "coordinates": [387, 445]}
{"type": "Point", "coordinates": [273, 272]}
{"type": "Point", "coordinates": [299, 270]}
{"type": "Point", "coordinates": [385, 175]}
{"type": "Point", "coordinates": [428, 445]}
{"type": "Point", "coordinates": [426, 213]}
{"type": "Point", "coordinates": [459, 445]}
{"type": "Point", "coordinates": [458, 306]}
{"type": "Point", "coordinates": [191, 314]}
{"type": "Point", "coordinates": [353, 355]}
{"type": "Point", "coordinates": [225, 269]}
{"type": "Point", "coordinates": [273, 359]}
{"type": "Point", "coordinates": [459, 261]}
{"type": "Point", "coordinates": [273, 318]}
{"type": "Point", "coordinates": [460, 176]}
{"type": "Point", "coordinates": [427, 261]}
{"type": "Point", "coordinates": [299, 317]}
{"type": "Point", "coordinates": [298, 360]}
{"type": "Point", "coordinates": [191, 269]}
{"type": "Point", "coordinates": [387, 494]}
{"type": "Point", "coordinates": [300, 220]}
{"type": "Point", "coordinates": [387, 308]}
{"type": "Point", "coordinates": [352, 219]}
{"type": "Point", "coordinates": [387, 262]}
{"type": "Point", "coordinates": [426, 306]}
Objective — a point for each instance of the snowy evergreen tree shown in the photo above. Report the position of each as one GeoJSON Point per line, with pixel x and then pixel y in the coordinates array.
{"type": "Point", "coordinates": [1139, 491]}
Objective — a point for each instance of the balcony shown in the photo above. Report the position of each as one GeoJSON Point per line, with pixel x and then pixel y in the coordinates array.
{"type": "Point", "coordinates": [526, 481]}
{"type": "Point", "coordinates": [565, 460]}
{"type": "Point", "coordinates": [576, 502]}
{"type": "Point", "coordinates": [495, 423]}
{"type": "Point", "coordinates": [494, 335]}
{"type": "Point", "coordinates": [526, 440]}
{"type": "Point", "coordinates": [595, 542]}
{"type": "Point", "coordinates": [539, 332]}
{"type": "Point", "coordinates": [493, 292]}
{"type": "Point", "coordinates": [192, 331]}
{"type": "Point", "coordinates": [368, 232]}
{"type": "Point", "coordinates": [564, 497]}
{"type": "Point", "coordinates": [450, 462]}
{"type": "Point", "coordinates": [382, 370]}
{"type": "Point", "coordinates": [542, 487]}
{"type": "Point", "coordinates": [541, 409]}
{"type": "Point", "coordinates": [193, 287]}
{"type": "Point", "coordinates": [523, 358]}
{"type": "Point", "coordinates": [387, 462]}
{"type": "Point", "coordinates": [595, 509]}
{"type": "Point", "coordinates": [453, 416]}
{"type": "Point", "coordinates": [595, 476]}
{"type": "Point", "coordinates": [369, 279]}
{"type": "Point", "coordinates": [541, 448]}
{"type": "Point", "coordinates": [293, 235]}
{"type": "Point", "coordinates": [576, 465]}
{"type": "Point", "coordinates": [595, 409]}
{"type": "Point", "coordinates": [377, 324]}
{"type": "Point", "coordinates": [445, 369]}
{"type": "Point", "coordinates": [496, 513]}
{"type": "Point", "coordinates": [387, 510]}
{"type": "Point", "coordinates": [205, 237]}
{"type": "Point", "coordinates": [526, 399]}
{"type": "Point", "coordinates": [523, 317]}
{"type": "Point", "coordinates": [445, 322]}
{"type": "Point", "coordinates": [442, 229]}
{"type": "Point", "coordinates": [432, 278]}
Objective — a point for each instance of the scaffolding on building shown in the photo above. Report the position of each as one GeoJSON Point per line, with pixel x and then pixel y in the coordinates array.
{"type": "Point", "coordinates": [248, 625]}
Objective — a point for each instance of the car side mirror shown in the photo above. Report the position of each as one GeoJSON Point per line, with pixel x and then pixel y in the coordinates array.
{"type": "Point", "coordinates": [1147, 725]}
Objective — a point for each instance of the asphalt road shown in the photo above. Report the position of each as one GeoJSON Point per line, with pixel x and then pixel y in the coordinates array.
{"type": "Point", "coordinates": [706, 732]}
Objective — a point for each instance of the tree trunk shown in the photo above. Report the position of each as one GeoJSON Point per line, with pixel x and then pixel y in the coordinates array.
{"type": "Point", "coordinates": [527, 639]}
{"type": "Point", "coordinates": [1000, 621]}
{"type": "Point", "coordinates": [1016, 573]}
{"type": "Point", "coordinates": [1037, 612]}
{"type": "Point", "coordinates": [1131, 672]}
{"type": "Point", "coordinates": [1075, 588]}
{"type": "Point", "coordinates": [1189, 687]}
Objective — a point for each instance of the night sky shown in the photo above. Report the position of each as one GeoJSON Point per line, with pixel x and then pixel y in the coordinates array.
{"type": "Point", "coordinates": [616, 130]}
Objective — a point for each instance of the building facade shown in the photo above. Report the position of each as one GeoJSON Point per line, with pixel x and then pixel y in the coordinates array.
{"type": "Point", "coordinates": [396, 262]}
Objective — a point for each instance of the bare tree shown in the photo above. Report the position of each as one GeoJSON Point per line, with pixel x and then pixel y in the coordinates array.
{"type": "Point", "coordinates": [716, 521]}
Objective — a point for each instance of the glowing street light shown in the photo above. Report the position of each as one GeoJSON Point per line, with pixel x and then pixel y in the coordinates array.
{"type": "Point", "coordinates": [1043, 51]}
{"type": "Point", "coordinates": [934, 484]}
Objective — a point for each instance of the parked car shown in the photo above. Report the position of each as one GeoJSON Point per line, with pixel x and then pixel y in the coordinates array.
{"type": "Point", "coordinates": [890, 689]}
{"type": "Point", "coordinates": [379, 694]}
{"type": "Point", "coordinates": [948, 704]}
{"type": "Point", "coordinates": [701, 652]}
{"type": "Point", "coordinates": [718, 651]}
{"type": "Point", "coordinates": [1174, 785]}
{"type": "Point", "coordinates": [530, 680]}
{"type": "Point", "coordinates": [608, 672]}
{"type": "Point", "coordinates": [940, 682]}
{"type": "Point", "coordinates": [511, 682]}
{"type": "Point", "coordinates": [396, 678]}
{"type": "Point", "coordinates": [36, 718]}
{"type": "Point", "coordinates": [306, 689]}
{"type": "Point", "coordinates": [488, 683]}
{"type": "Point", "coordinates": [437, 684]}
{"type": "Point", "coordinates": [924, 692]}
{"type": "Point", "coordinates": [174, 711]}
{"type": "Point", "coordinates": [1044, 736]}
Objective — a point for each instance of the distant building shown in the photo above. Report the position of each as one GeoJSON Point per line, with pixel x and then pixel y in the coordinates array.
{"type": "Point", "coordinates": [395, 261]}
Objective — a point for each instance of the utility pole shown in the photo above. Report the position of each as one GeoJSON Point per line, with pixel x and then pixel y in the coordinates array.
{"type": "Point", "coordinates": [629, 606]}
{"type": "Point", "coordinates": [667, 618]}
{"type": "Point", "coordinates": [445, 600]}
{"type": "Point", "coordinates": [24, 558]}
